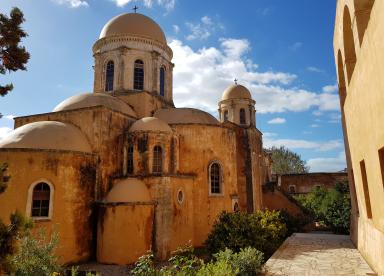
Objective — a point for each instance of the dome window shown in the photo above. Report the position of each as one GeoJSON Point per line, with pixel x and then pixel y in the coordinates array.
{"type": "Point", "coordinates": [138, 78]}
{"type": "Point", "coordinates": [157, 165]}
{"type": "Point", "coordinates": [109, 75]}
{"type": "Point", "coordinates": [162, 81]}
{"type": "Point", "coordinates": [130, 159]}
{"type": "Point", "coordinates": [225, 115]}
{"type": "Point", "coordinates": [242, 116]}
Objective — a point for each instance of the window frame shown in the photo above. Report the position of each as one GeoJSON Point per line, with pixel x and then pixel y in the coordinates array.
{"type": "Point", "coordinates": [294, 189]}
{"type": "Point", "coordinates": [161, 160]}
{"type": "Point", "coordinates": [137, 82]}
{"type": "Point", "coordinates": [243, 116]}
{"type": "Point", "coordinates": [221, 179]}
{"type": "Point", "coordinates": [30, 200]}
{"type": "Point", "coordinates": [162, 72]}
{"type": "Point", "coordinates": [106, 83]}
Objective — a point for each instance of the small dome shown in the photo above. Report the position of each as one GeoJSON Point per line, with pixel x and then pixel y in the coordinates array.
{"type": "Point", "coordinates": [95, 99]}
{"type": "Point", "coordinates": [133, 24]}
{"type": "Point", "coordinates": [236, 91]}
{"type": "Point", "coordinates": [47, 135]}
{"type": "Point", "coordinates": [185, 116]}
{"type": "Point", "coordinates": [150, 124]}
{"type": "Point", "coordinates": [128, 190]}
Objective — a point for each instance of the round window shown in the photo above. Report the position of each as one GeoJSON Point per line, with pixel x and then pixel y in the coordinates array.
{"type": "Point", "coordinates": [180, 196]}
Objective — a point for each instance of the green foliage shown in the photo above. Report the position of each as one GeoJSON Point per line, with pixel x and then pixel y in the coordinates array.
{"type": "Point", "coordinates": [294, 224]}
{"type": "Point", "coordinates": [145, 265]}
{"type": "Point", "coordinates": [332, 207]}
{"type": "Point", "coordinates": [219, 268]}
{"type": "Point", "coordinates": [36, 256]}
{"type": "Point", "coordinates": [247, 262]}
{"type": "Point", "coordinates": [184, 261]}
{"type": "Point", "coordinates": [285, 161]}
{"type": "Point", "coordinates": [263, 230]}
{"type": "Point", "coordinates": [9, 236]}
{"type": "Point", "coordinates": [13, 57]}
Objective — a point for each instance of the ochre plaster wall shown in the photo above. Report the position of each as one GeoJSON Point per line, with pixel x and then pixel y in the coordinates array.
{"type": "Point", "coordinates": [276, 200]}
{"type": "Point", "coordinates": [124, 232]}
{"type": "Point", "coordinates": [304, 183]}
{"type": "Point", "coordinates": [364, 116]}
{"type": "Point", "coordinates": [73, 177]}
{"type": "Point", "coordinates": [199, 145]}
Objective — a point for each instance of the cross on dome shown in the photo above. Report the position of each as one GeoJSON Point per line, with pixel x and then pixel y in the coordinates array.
{"type": "Point", "coordinates": [135, 8]}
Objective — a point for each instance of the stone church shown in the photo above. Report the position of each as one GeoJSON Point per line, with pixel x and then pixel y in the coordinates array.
{"type": "Point", "coordinates": [121, 171]}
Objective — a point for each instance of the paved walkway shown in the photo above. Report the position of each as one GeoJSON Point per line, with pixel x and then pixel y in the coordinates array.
{"type": "Point", "coordinates": [317, 254]}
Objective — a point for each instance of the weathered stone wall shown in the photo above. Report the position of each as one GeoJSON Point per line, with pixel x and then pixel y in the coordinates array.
{"type": "Point", "coordinates": [304, 183]}
{"type": "Point", "coordinates": [124, 232]}
{"type": "Point", "coordinates": [359, 56]}
{"type": "Point", "coordinates": [102, 127]}
{"type": "Point", "coordinates": [199, 145]}
{"type": "Point", "coordinates": [73, 177]}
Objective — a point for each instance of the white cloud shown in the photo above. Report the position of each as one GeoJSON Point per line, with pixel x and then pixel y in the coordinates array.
{"type": "Point", "coordinates": [4, 132]}
{"type": "Point", "coordinates": [201, 76]}
{"type": "Point", "coordinates": [315, 69]}
{"type": "Point", "coordinates": [330, 88]}
{"type": "Point", "coordinates": [314, 125]}
{"type": "Point", "coordinates": [202, 29]}
{"type": "Point", "coordinates": [277, 121]}
{"type": "Point", "coordinates": [303, 144]}
{"type": "Point", "coordinates": [331, 164]}
{"type": "Point", "coordinates": [9, 117]}
{"type": "Point", "coordinates": [72, 3]}
{"type": "Point", "coordinates": [295, 46]}
{"type": "Point", "coordinates": [269, 134]}
{"type": "Point", "coordinates": [167, 4]}
{"type": "Point", "coordinates": [176, 29]}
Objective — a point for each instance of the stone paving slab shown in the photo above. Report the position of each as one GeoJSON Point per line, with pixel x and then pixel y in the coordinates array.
{"type": "Point", "coordinates": [317, 254]}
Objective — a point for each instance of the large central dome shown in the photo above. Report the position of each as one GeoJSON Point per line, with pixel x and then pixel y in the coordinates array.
{"type": "Point", "coordinates": [133, 24]}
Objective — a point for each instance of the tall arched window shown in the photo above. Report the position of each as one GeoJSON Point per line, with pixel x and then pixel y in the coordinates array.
{"type": "Point", "coordinates": [215, 178]}
{"type": "Point", "coordinates": [138, 78]}
{"type": "Point", "coordinates": [41, 196]}
{"type": "Point", "coordinates": [242, 116]}
{"type": "Point", "coordinates": [349, 44]}
{"type": "Point", "coordinates": [130, 160]}
{"type": "Point", "coordinates": [157, 165]}
{"type": "Point", "coordinates": [225, 115]}
{"type": "Point", "coordinates": [162, 80]}
{"type": "Point", "coordinates": [109, 75]}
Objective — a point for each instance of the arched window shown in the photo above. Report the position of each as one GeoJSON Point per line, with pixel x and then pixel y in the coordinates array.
{"type": "Point", "coordinates": [162, 81]}
{"type": "Point", "coordinates": [215, 178]}
{"type": "Point", "coordinates": [362, 14]}
{"type": "Point", "coordinates": [157, 165]}
{"type": "Point", "coordinates": [109, 74]}
{"type": "Point", "coordinates": [340, 72]}
{"type": "Point", "coordinates": [41, 197]}
{"type": "Point", "coordinates": [130, 160]}
{"type": "Point", "coordinates": [138, 77]}
{"type": "Point", "coordinates": [242, 116]}
{"type": "Point", "coordinates": [225, 115]}
{"type": "Point", "coordinates": [349, 44]}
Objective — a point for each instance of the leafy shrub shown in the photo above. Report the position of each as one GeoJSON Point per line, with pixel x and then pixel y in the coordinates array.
{"type": "Point", "coordinates": [144, 266]}
{"type": "Point", "coordinates": [295, 224]}
{"type": "Point", "coordinates": [36, 256]}
{"type": "Point", "coordinates": [219, 268]}
{"type": "Point", "coordinates": [263, 230]}
{"type": "Point", "coordinates": [184, 261]}
{"type": "Point", "coordinates": [248, 261]}
{"type": "Point", "coordinates": [332, 207]}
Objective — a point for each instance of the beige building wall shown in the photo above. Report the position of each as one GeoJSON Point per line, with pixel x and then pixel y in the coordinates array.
{"type": "Point", "coordinates": [72, 178]}
{"type": "Point", "coordinates": [359, 55]}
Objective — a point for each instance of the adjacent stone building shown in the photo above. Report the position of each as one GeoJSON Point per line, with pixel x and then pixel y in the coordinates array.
{"type": "Point", "coordinates": [303, 183]}
{"type": "Point", "coordinates": [121, 171]}
{"type": "Point", "coordinates": [359, 56]}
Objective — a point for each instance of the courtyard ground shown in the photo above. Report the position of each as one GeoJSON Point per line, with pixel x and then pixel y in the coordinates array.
{"type": "Point", "coordinates": [317, 254]}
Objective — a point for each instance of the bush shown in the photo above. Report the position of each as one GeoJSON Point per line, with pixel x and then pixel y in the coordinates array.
{"type": "Point", "coordinates": [35, 256]}
{"type": "Point", "coordinates": [263, 230]}
{"type": "Point", "coordinates": [248, 261]}
{"type": "Point", "coordinates": [332, 207]}
{"type": "Point", "coordinates": [219, 268]}
{"type": "Point", "coordinates": [144, 266]}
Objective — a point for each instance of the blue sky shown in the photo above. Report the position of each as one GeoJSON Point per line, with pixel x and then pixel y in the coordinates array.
{"type": "Point", "coordinates": [281, 50]}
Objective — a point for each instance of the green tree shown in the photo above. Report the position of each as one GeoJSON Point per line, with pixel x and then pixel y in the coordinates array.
{"type": "Point", "coordinates": [13, 57]}
{"type": "Point", "coordinates": [286, 161]}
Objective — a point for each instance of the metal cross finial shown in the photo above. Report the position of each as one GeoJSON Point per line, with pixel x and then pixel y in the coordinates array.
{"type": "Point", "coordinates": [135, 9]}
{"type": "Point", "coordinates": [235, 81]}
